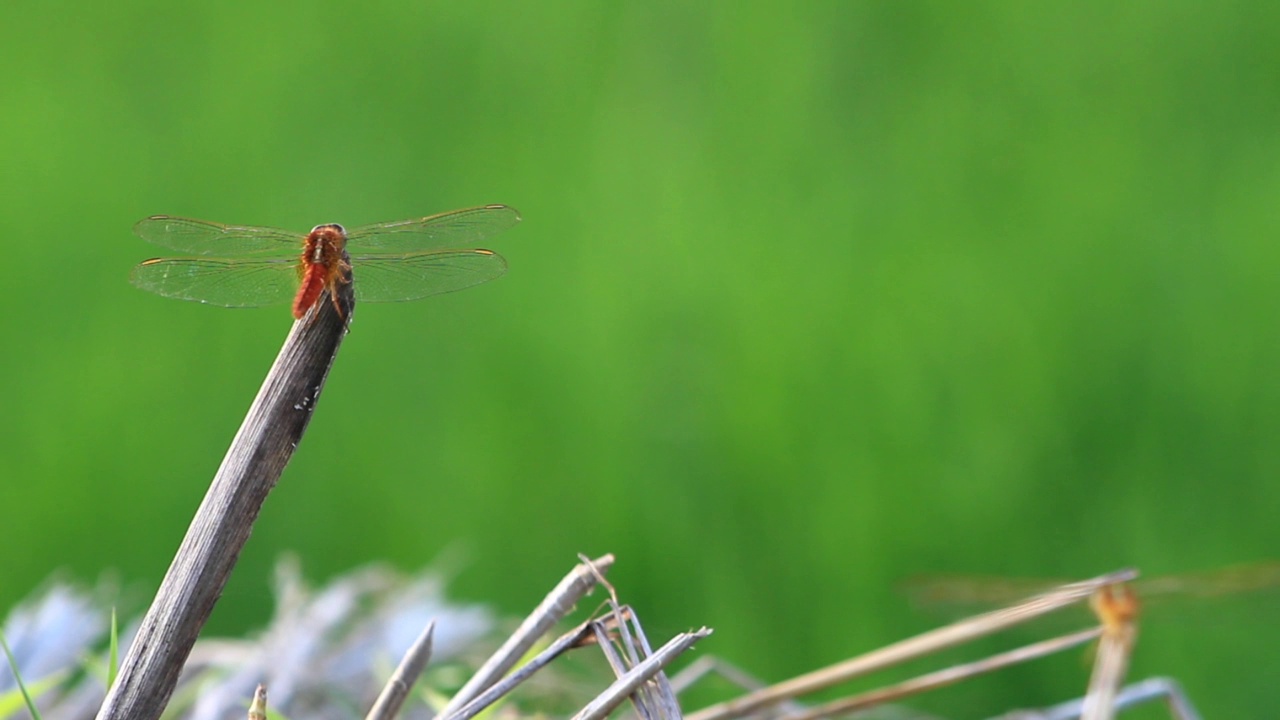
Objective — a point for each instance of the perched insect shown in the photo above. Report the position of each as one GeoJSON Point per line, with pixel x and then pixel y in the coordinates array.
{"type": "Point", "coordinates": [238, 266]}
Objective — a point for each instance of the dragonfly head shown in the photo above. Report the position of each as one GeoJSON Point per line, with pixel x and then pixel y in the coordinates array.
{"type": "Point", "coordinates": [325, 244]}
{"type": "Point", "coordinates": [329, 228]}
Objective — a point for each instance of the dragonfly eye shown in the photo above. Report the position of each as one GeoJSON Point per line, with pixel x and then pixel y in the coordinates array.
{"type": "Point", "coordinates": [330, 226]}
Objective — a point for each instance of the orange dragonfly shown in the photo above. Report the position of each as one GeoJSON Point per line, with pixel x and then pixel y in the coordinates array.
{"type": "Point", "coordinates": [241, 266]}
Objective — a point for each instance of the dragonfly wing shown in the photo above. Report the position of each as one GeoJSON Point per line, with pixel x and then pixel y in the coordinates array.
{"type": "Point", "coordinates": [200, 237]}
{"type": "Point", "coordinates": [455, 229]}
{"type": "Point", "coordinates": [218, 281]}
{"type": "Point", "coordinates": [418, 275]}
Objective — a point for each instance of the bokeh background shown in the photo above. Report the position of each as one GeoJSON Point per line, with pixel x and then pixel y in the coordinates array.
{"type": "Point", "coordinates": [808, 299]}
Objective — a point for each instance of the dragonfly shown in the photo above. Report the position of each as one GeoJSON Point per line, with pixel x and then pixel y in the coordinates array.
{"type": "Point", "coordinates": [244, 266]}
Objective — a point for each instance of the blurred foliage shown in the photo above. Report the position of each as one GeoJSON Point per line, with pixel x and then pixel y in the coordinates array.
{"type": "Point", "coordinates": [808, 298]}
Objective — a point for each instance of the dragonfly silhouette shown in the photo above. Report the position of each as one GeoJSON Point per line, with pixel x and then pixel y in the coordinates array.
{"type": "Point", "coordinates": [242, 266]}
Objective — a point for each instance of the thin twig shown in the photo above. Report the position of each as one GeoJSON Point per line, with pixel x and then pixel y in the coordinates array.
{"type": "Point", "coordinates": [397, 688]}
{"type": "Point", "coordinates": [707, 665]}
{"type": "Point", "coordinates": [710, 664]}
{"type": "Point", "coordinates": [267, 439]}
{"type": "Point", "coordinates": [1145, 691]}
{"type": "Point", "coordinates": [911, 648]}
{"type": "Point", "coordinates": [555, 606]}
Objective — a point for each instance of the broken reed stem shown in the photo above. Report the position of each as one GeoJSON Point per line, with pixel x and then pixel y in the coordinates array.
{"type": "Point", "coordinates": [627, 684]}
{"type": "Point", "coordinates": [266, 440]}
{"type": "Point", "coordinates": [655, 699]}
{"type": "Point", "coordinates": [397, 688]}
{"type": "Point", "coordinates": [553, 607]}
{"type": "Point", "coordinates": [563, 644]}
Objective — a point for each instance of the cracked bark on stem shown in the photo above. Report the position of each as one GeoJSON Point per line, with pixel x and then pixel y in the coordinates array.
{"type": "Point", "coordinates": [266, 440]}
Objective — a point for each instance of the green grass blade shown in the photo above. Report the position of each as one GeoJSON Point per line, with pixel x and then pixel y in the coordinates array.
{"type": "Point", "coordinates": [13, 665]}
{"type": "Point", "coordinates": [113, 656]}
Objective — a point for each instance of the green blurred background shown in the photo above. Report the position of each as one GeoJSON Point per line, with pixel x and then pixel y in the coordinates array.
{"type": "Point", "coordinates": [808, 299]}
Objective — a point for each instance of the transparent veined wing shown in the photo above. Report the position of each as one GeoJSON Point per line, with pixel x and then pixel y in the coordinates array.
{"type": "Point", "coordinates": [457, 229]}
{"type": "Point", "coordinates": [220, 281]}
{"type": "Point", "coordinates": [201, 237]}
{"type": "Point", "coordinates": [391, 278]}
